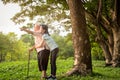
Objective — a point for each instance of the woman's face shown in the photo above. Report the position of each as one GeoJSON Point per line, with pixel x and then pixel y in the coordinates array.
{"type": "Point", "coordinates": [36, 28]}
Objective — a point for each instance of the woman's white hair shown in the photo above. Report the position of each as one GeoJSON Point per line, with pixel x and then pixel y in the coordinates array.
{"type": "Point", "coordinates": [37, 23]}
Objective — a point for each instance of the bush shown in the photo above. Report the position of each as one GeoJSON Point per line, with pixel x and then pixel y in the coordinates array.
{"type": "Point", "coordinates": [97, 53]}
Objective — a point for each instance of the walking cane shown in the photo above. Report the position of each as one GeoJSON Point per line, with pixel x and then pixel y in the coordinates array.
{"type": "Point", "coordinates": [28, 64]}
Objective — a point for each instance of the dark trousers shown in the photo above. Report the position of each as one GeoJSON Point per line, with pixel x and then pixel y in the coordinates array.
{"type": "Point", "coordinates": [53, 58]}
{"type": "Point", "coordinates": [43, 57]}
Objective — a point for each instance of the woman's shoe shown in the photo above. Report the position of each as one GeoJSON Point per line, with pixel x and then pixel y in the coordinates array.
{"type": "Point", "coordinates": [44, 78]}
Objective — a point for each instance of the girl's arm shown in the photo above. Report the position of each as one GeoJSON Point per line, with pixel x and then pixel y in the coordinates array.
{"type": "Point", "coordinates": [28, 31]}
{"type": "Point", "coordinates": [40, 45]}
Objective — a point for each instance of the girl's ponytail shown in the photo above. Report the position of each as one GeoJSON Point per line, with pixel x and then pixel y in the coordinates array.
{"type": "Point", "coordinates": [45, 27]}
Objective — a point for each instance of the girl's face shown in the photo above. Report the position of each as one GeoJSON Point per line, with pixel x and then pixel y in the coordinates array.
{"type": "Point", "coordinates": [41, 29]}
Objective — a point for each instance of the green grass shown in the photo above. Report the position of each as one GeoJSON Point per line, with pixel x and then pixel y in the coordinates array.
{"type": "Point", "coordinates": [18, 71]}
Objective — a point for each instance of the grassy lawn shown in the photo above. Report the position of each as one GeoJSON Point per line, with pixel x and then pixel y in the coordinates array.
{"type": "Point", "coordinates": [18, 71]}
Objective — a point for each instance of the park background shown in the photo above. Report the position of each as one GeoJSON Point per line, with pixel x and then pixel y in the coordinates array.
{"type": "Point", "coordinates": [14, 44]}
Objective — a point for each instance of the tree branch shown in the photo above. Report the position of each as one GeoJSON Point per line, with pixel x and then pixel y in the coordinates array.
{"type": "Point", "coordinates": [99, 9]}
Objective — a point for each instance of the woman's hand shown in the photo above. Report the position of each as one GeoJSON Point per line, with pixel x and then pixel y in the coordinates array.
{"type": "Point", "coordinates": [31, 49]}
{"type": "Point", "coordinates": [22, 29]}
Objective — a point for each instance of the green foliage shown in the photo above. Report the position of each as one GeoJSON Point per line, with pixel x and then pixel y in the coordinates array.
{"type": "Point", "coordinates": [91, 5]}
{"type": "Point", "coordinates": [3, 41]}
{"type": "Point", "coordinates": [12, 49]}
{"type": "Point", "coordinates": [57, 10]}
{"type": "Point", "coordinates": [65, 46]}
{"type": "Point", "coordinates": [31, 9]}
{"type": "Point", "coordinates": [12, 70]}
{"type": "Point", "coordinates": [27, 38]}
{"type": "Point", "coordinates": [97, 53]}
{"type": "Point", "coordinates": [63, 3]}
{"type": "Point", "coordinates": [107, 5]}
{"type": "Point", "coordinates": [18, 71]}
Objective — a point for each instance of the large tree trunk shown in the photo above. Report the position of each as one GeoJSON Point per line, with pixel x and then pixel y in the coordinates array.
{"type": "Point", "coordinates": [106, 45]}
{"type": "Point", "coordinates": [111, 25]}
{"type": "Point", "coordinates": [81, 43]}
{"type": "Point", "coordinates": [116, 33]}
{"type": "Point", "coordinates": [116, 53]}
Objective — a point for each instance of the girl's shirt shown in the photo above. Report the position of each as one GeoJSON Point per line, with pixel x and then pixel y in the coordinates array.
{"type": "Point", "coordinates": [50, 42]}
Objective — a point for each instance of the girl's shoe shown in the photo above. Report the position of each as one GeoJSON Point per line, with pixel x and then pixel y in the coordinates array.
{"type": "Point", "coordinates": [51, 78]}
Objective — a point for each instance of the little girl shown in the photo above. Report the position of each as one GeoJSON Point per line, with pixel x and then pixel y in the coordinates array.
{"type": "Point", "coordinates": [53, 49]}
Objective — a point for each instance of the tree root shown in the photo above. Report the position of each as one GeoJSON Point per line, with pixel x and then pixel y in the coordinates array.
{"type": "Point", "coordinates": [72, 72]}
{"type": "Point", "coordinates": [116, 65]}
{"type": "Point", "coordinates": [81, 70]}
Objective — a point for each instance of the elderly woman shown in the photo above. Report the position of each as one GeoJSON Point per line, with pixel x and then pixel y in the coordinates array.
{"type": "Point", "coordinates": [41, 48]}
